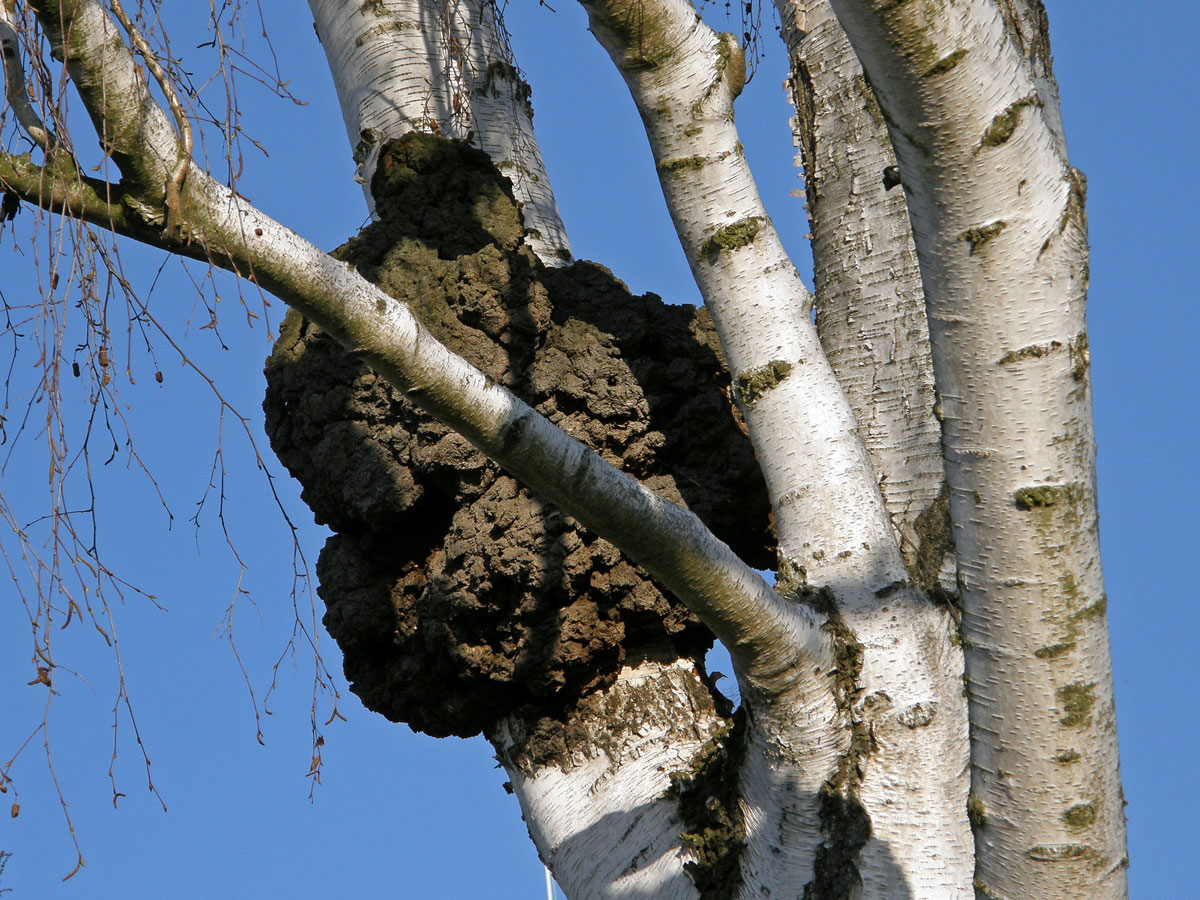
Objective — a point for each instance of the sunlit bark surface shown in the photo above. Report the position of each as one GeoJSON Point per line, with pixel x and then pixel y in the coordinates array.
{"type": "Point", "coordinates": [870, 306]}
{"type": "Point", "coordinates": [1000, 230]}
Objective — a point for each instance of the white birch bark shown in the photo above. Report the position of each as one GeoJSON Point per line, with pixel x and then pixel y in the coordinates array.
{"type": "Point", "coordinates": [885, 727]}
{"type": "Point", "coordinates": [440, 67]}
{"type": "Point", "coordinates": [684, 78]}
{"type": "Point", "coordinates": [998, 220]}
{"type": "Point", "coordinates": [870, 306]}
{"type": "Point", "coordinates": [830, 517]}
{"type": "Point", "coordinates": [603, 818]}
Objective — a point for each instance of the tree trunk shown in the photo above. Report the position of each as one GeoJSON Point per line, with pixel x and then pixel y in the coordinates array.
{"type": "Point", "coordinates": [1000, 230]}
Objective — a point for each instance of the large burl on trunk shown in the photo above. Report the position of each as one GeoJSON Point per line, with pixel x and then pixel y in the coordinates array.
{"type": "Point", "coordinates": [457, 596]}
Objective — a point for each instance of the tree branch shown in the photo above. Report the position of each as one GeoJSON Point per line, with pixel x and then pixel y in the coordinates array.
{"type": "Point", "coordinates": [764, 632]}
{"type": "Point", "coordinates": [15, 90]}
{"type": "Point", "coordinates": [180, 170]}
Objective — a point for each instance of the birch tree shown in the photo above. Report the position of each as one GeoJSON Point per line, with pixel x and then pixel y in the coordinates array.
{"type": "Point", "coordinates": [926, 698]}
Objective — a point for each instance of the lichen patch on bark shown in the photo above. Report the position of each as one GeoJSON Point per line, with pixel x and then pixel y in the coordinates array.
{"type": "Point", "coordinates": [1004, 125]}
{"type": "Point", "coordinates": [752, 385]}
{"type": "Point", "coordinates": [935, 534]}
{"type": "Point", "coordinates": [1075, 703]}
{"type": "Point", "coordinates": [731, 237]}
{"type": "Point", "coordinates": [1033, 351]}
{"type": "Point", "coordinates": [946, 64]}
{"type": "Point", "coordinates": [977, 237]}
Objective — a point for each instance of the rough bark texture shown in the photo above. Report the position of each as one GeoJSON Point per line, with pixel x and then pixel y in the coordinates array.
{"type": "Point", "coordinates": [870, 306]}
{"type": "Point", "coordinates": [457, 596]}
{"type": "Point", "coordinates": [834, 529]}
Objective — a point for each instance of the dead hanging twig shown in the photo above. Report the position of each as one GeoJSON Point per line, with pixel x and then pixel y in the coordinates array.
{"type": "Point", "coordinates": [174, 184]}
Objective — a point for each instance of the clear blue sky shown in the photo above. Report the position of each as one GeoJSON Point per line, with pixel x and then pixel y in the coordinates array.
{"type": "Point", "coordinates": [406, 816]}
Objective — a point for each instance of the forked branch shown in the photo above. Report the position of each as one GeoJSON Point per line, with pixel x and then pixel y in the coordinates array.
{"type": "Point", "coordinates": [759, 627]}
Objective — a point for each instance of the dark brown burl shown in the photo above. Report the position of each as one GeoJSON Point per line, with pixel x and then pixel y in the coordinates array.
{"type": "Point", "coordinates": [456, 595]}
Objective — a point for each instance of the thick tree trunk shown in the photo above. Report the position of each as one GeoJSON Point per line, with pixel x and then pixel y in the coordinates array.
{"type": "Point", "coordinates": [603, 801]}
{"type": "Point", "coordinates": [833, 528]}
{"type": "Point", "coordinates": [998, 220]}
{"type": "Point", "coordinates": [870, 306]}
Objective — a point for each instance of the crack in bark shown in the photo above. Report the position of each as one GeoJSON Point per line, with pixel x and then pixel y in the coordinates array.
{"type": "Point", "coordinates": [844, 820]}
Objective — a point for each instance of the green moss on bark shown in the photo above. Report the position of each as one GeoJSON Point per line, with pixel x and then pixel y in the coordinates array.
{"type": "Point", "coordinates": [684, 164]}
{"type": "Point", "coordinates": [976, 812]}
{"type": "Point", "coordinates": [1053, 651]}
{"type": "Point", "coordinates": [731, 237]}
{"type": "Point", "coordinates": [1041, 497]}
{"type": "Point", "coordinates": [945, 64]}
{"type": "Point", "coordinates": [1033, 351]}
{"type": "Point", "coordinates": [935, 536]}
{"type": "Point", "coordinates": [714, 830]}
{"type": "Point", "coordinates": [977, 237]}
{"type": "Point", "coordinates": [1081, 816]}
{"type": "Point", "coordinates": [752, 385]}
{"type": "Point", "coordinates": [1081, 359]}
{"type": "Point", "coordinates": [1064, 852]}
{"type": "Point", "coordinates": [1004, 125]}
{"type": "Point", "coordinates": [1076, 702]}
{"type": "Point", "coordinates": [641, 32]}
{"type": "Point", "coordinates": [844, 820]}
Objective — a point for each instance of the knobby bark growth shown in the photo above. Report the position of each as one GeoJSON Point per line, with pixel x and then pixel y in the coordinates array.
{"type": "Point", "coordinates": [458, 597]}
